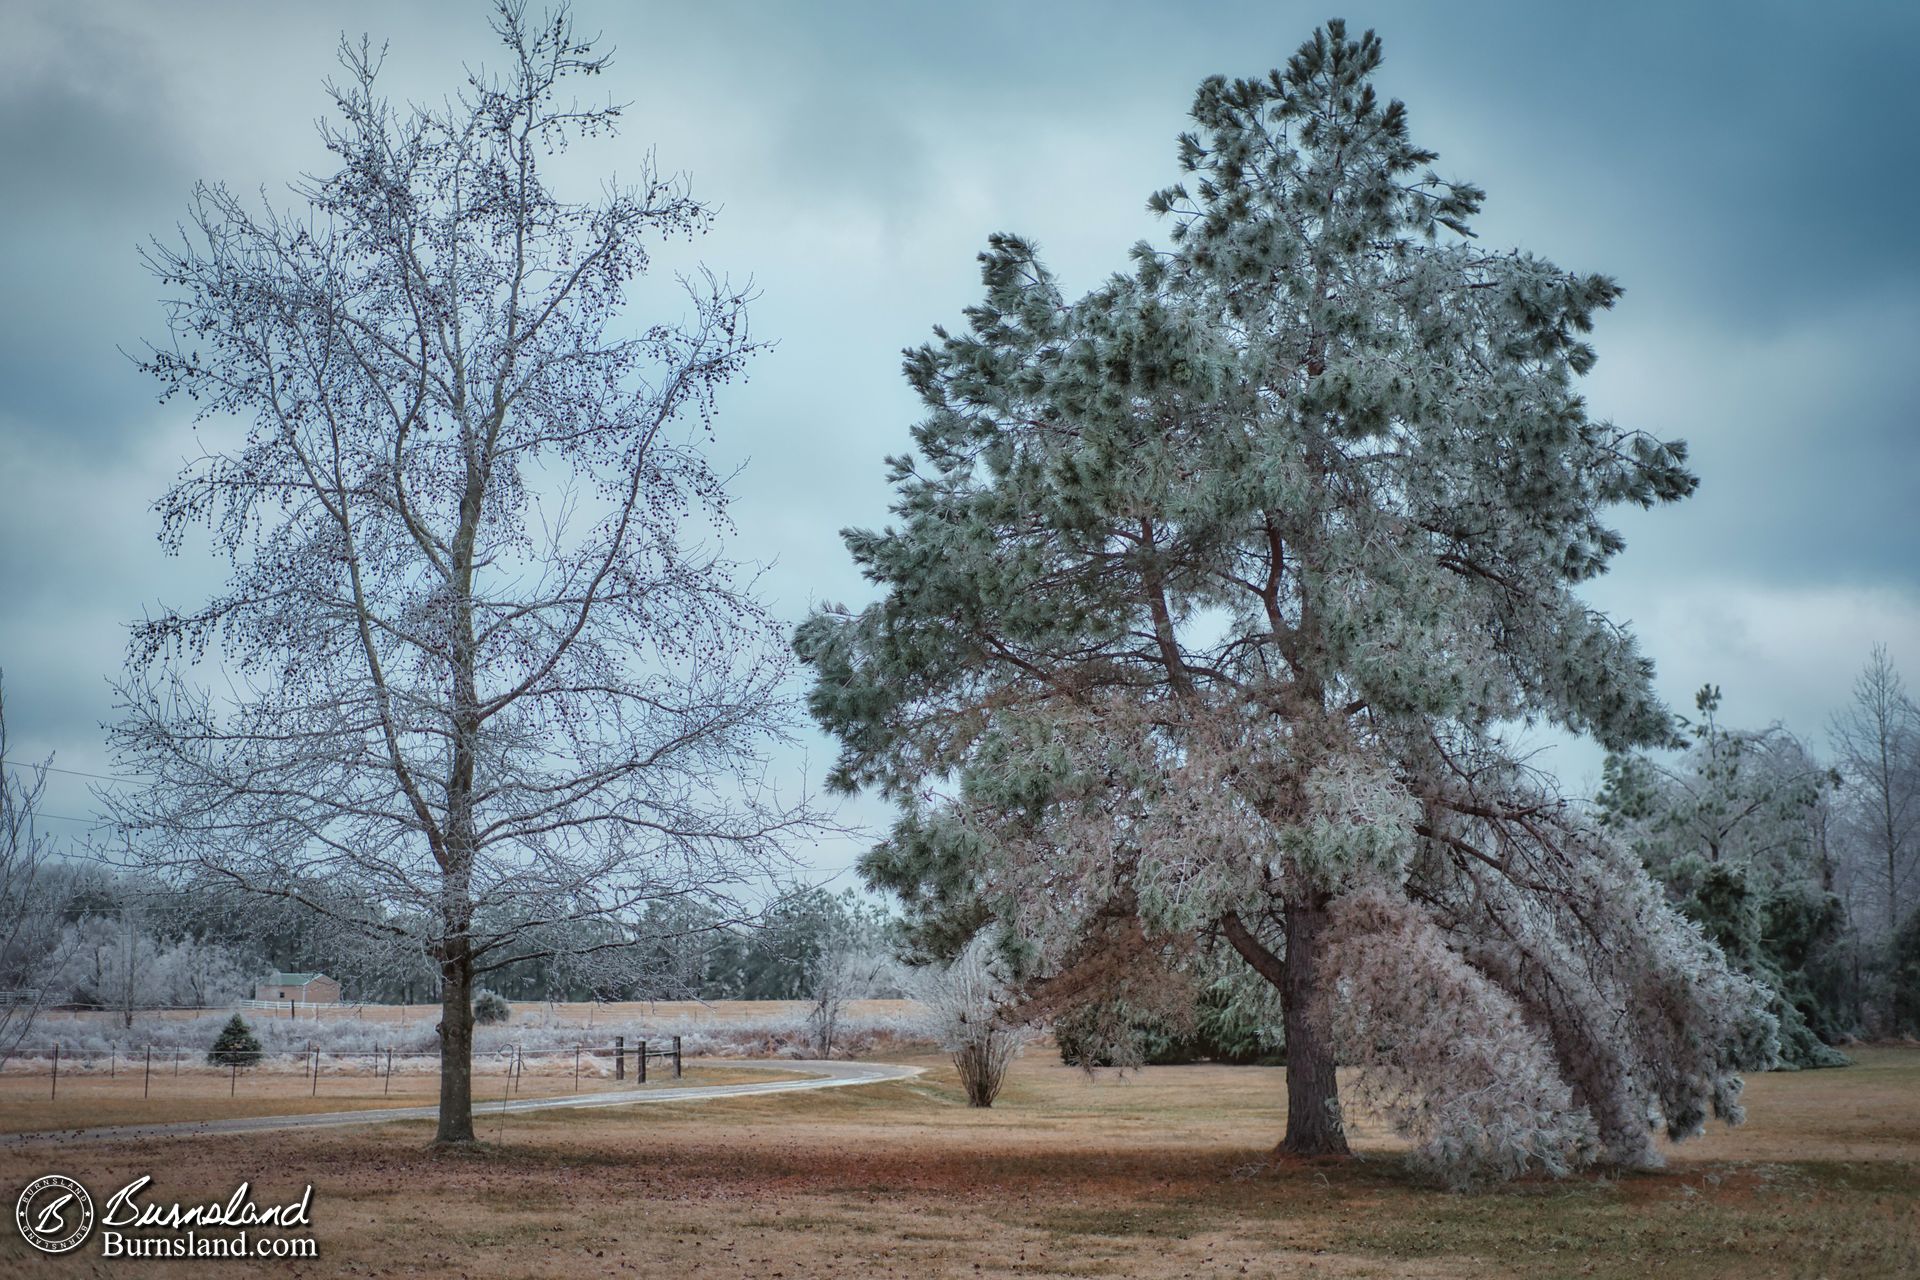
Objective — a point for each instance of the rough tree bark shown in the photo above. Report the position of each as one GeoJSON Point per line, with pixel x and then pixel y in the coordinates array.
{"type": "Point", "coordinates": [1314, 1127]}
{"type": "Point", "coordinates": [456, 1046]}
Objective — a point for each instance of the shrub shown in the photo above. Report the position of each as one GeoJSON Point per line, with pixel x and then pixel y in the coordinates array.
{"type": "Point", "coordinates": [236, 1045]}
{"type": "Point", "coordinates": [964, 1001]}
{"type": "Point", "coordinates": [490, 1007]}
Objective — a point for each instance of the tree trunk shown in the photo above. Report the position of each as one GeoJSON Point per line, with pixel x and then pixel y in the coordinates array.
{"type": "Point", "coordinates": [1313, 1093]}
{"type": "Point", "coordinates": [456, 894]}
{"type": "Point", "coordinates": [132, 956]}
{"type": "Point", "coordinates": [456, 1046]}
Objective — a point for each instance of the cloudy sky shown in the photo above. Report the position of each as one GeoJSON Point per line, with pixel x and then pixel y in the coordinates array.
{"type": "Point", "coordinates": [1747, 171]}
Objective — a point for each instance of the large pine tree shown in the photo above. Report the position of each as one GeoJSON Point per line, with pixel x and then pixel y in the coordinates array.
{"type": "Point", "coordinates": [1209, 597]}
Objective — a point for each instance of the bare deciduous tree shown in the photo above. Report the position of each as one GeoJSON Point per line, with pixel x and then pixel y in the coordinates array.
{"type": "Point", "coordinates": [483, 682]}
{"type": "Point", "coordinates": [30, 948]}
{"type": "Point", "coordinates": [845, 970]}
{"type": "Point", "coordinates": [1878, 740]}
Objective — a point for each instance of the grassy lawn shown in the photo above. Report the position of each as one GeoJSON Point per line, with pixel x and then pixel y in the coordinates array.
{"type": "Point", "coordinates": [1164, 1173]}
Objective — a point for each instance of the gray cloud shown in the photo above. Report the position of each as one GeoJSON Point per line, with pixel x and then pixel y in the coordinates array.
{"type": "Point", "coordinates": [88, 167]}
{"type": "Point", "coordinates": [1740, 170]}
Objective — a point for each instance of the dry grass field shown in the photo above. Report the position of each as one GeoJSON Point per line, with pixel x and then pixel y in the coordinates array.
{"type": "Point", "coordinates": [1164, 1173]}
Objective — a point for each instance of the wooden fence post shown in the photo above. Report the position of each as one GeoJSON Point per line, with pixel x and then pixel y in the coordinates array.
{"type": "Point", "coordinates": [676, 1057]}
{"type": "Point", "coordinates": [576, 1068]}
{"type": "Point", "coordinates": [113, 1061]}
{"type": "Point", "coordinates": [643, 1062]}
{"type": "Point", "coordinates": [55, 1091]}
{"type": "Point", "coordinates": [146, 1090]}
{"type": "Point", "coordinates": [315, 1091]}
{"type": "Point", "coordinates": [233, 1077]}
{"type": "Point", "coordinates": [388, 1091]}
{"type": "Point", "coordinates": [620, 1058]}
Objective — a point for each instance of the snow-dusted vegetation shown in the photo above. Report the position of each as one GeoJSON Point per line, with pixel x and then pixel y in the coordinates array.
{"type": "Point", "coordinates": [783, 1030]}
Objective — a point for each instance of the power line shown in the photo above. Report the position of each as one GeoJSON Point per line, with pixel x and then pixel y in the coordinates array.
{"type": "Point", "coordinates": [75, 773]}
{"type": "Point", "coordinates": [96, 822]}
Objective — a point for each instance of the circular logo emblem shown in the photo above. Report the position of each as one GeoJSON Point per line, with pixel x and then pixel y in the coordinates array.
{"type": "Point", "coordinates": [54, 1213]}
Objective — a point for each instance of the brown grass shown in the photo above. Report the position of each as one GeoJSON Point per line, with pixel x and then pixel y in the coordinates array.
{"type": "Point", "coordinates": [1165, 1173]}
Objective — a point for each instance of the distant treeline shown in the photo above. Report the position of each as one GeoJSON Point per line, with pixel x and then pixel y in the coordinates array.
{"type": "Point", "coordinates": [129, 943]}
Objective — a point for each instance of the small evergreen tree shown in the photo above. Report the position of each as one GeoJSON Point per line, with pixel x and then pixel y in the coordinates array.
{"type": "Point", "coordinates": [236, 1046]}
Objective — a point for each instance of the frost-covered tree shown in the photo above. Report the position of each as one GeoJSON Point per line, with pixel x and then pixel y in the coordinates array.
{"type": "Point", "coordinates": [111, 962]}
{"type": "Point", "coordinates": [1734, 828]}
{"type": "Point", "coordinates": [32, 898]}
{"type": "Point", "coordinates": [841, 974]}
{"type": "Point", "coordinates": [1209, 595]}
{"type": "Point", "coordinates": [1876, 828]}
{"type": "Point", "coordinates": [486, 673]}
{"type": "Point", "coordinates": [197, 974]}
{"type": "Point", "coordinates": [845, 957]}
{"type": "Point", "coordinates": [118, 960]}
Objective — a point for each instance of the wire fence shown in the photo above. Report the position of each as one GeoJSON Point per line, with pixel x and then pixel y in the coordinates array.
{"type": "Point", "coordinates": [152, 1067]}
{"type": "Point", "coordinates": [305, 1010]}
{"type": "Point", "coordinates": [739, 1029]}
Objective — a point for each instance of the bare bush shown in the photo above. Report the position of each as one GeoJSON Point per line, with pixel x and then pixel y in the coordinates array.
{"type": "Point", "coordinates": [965, 1002]}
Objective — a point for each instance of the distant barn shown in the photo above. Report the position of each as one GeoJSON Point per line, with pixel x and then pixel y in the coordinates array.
{"type": "Point", "coordinates": [307, 988]}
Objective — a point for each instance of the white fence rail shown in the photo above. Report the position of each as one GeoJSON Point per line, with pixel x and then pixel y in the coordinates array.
{"type": "Point", "coordinates": [300, 1005]}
